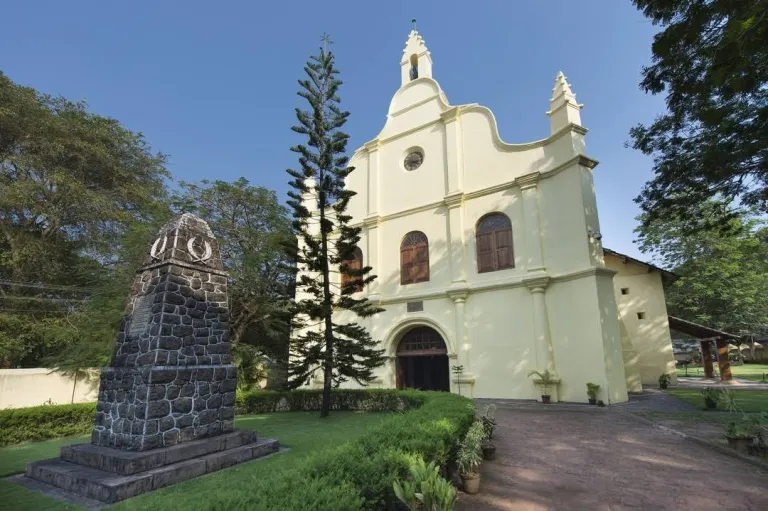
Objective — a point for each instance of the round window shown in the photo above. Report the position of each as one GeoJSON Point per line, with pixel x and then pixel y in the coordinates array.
{"type": "Point", "coordinates": [413, 160]}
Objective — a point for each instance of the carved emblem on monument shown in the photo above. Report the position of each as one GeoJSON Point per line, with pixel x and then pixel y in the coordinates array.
{"type": "Point", "coordinates": [207, 250]}
{"type": "Point", "coordinates": [155, 251]}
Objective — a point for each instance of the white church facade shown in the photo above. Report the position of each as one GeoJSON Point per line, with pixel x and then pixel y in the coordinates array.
{"type": "Point", "coordinates": [488, 254]}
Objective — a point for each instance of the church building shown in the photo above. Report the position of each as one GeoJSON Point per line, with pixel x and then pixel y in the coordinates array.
{"type": "Point", "coordinates": [489, 256]}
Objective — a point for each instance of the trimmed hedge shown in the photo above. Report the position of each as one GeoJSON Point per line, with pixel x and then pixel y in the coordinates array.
{"type": "Point", "coordinates": [368, 400]}
{"type": "Point", "coordinates": [44, 422]}
{"type": "Point", "coordinates": [356, 475]}
{"type": "Point", "coordinates": [359, 474]}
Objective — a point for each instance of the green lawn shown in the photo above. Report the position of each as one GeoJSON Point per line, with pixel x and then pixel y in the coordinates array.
{"type": "Point", "coordinates": [747, 371]}
{"type": "Point", "coordinates": [748, 400]}
{"type": "Point", "coordinates": [304, 433]}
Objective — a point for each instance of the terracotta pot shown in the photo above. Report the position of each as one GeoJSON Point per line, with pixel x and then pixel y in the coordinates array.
{"type": "Point", "coordinates": [741, 444]}
{"type": "Point", "coordinates": [471, 483]}
{"type": "Point", "coordinates": [489, 452]}
{"type": "Point", "coordinates": [592, 401]}
{"type": "Point", "coordinates": [545, 399]}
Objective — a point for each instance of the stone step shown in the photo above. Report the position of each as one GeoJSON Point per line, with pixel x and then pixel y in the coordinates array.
{"type": "Point", "coordinates": [110, 487]}
{"type": "Point", "coordinates": [133, 462]}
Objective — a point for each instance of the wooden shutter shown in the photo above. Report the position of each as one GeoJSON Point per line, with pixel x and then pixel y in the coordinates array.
{"type": "Point", "coordinates": [494, 243]}
{"type": "Point", "coordinates": [353, 264]}
{"type": "Point", "coordinates": [356, 265]}
{"type": "Point", "coordinates": [421, 266]}
{"type": "Point", "coordinates": [414, 258]}
{"type": "Point", "coordinates": [406, 265]}
{"type": "Point", "coordinates": [485, 252]}
{"type": "Point", "coordinates": [504, 255]}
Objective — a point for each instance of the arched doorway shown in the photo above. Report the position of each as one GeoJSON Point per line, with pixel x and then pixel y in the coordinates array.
{"type": "Point", "coordinates": [422, 360]}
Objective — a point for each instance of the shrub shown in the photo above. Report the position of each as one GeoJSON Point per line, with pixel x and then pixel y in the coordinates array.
{"type": "Point", "coordinates": [369, 400]}
{"type": "Point", "coordinates": [44, 422]}
{"type": "Point", "coordinates": [425, 489]}
{"type": "Point", "coordinates": [373, 462]}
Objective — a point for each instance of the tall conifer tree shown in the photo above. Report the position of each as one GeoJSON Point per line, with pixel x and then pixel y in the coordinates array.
{"type": "Point", "coordinates": [342, 351]}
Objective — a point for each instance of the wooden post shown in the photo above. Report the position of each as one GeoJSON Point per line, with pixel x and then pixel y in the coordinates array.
{"type": "Point", "coordinates": [706, 358]}
{"type": "Point", "coordinates": [722, 360]}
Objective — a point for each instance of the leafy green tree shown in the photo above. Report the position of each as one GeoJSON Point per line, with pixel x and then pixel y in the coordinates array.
{"type": "Point", "coordinates": [72, 185]}
{"type": "Point", "coordinates": [326, 241]}
{"type": "Point", "coordinates": [252, 229]}
{"type": "Point", "coordinates": [711, 60]}
{"type": "Point", "coordinates": [86, 335]}
{"type": "Point", "coordinates": [723, 277]}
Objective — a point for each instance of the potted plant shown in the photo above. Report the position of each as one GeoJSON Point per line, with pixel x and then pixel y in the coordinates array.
{"type": "Point", "coordinates": [488, 420]}
{"type": "Point", "coordinates": [592, 390]}
{"type": "Point", "coordinates": [711, 397]}
{"type": "Point", "coordinates": [664, 380]}
{"type": "Point", "coordinates": [546, 380]}
{"type": "Point", "coordinates": [739, 437]}
{"type": "Point", "coordinates": [469, 459]}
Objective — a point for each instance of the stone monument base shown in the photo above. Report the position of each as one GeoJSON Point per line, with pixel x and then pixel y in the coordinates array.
{"type": "Point", "coordinates": [109, 475]}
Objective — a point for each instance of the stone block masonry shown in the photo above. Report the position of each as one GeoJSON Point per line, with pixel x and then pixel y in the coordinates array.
{"type": "Point", "coordinates": [166, 403]}
{"type": "Point", "coordinates": [171, 378]}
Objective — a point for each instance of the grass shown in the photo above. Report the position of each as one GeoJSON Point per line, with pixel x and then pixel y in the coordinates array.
{"type": "Point", "coordinates": [303, 432]}
{"type": "Point", "coordinates": [752, 372]}
{"type": "Point", "coordinates": [747, 400]}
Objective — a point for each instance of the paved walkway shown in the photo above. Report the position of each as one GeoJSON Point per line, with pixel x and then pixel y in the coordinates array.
{"type": "Point", "coordinates": [604, 459]}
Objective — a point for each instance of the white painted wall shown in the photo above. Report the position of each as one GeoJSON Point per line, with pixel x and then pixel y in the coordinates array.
{"type": "Point", "coordinates": [545, 188]}
{"type": "Point", "coordinates": [650, 337]}
{"type": "Point", "coordinates": [33, 387]}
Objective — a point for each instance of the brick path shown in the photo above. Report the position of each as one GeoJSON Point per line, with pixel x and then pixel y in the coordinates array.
{"type": "Point", "coordinates": [602, 459]}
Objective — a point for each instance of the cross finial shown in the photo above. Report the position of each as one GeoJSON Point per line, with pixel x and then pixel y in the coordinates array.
{"type": "Point", "coordinates": [326, 41]}
{"type": "Point", "coordinates": [413, 22]}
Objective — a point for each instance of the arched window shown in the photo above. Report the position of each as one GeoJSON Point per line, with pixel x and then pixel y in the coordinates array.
{"type": "Point", "coordinates": [414, 258]}
{"type": "Point", "coordinates": [494, 243]}
{"type": "Point", "coordinates": [352, 264]}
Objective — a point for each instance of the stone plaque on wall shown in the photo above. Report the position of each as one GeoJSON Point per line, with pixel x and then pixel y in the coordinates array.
{"type": "Point", "coordinates": [142, 312]}
{"type": "Point", "coordinates": [415, 306]}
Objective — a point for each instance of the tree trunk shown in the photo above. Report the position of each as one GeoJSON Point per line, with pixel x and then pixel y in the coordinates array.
{"type": "Point", "coordinates": [327, 310]}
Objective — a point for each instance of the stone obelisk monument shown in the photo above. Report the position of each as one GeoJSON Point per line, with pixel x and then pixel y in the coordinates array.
{"type": "Point", "coordinates": [166, 404]}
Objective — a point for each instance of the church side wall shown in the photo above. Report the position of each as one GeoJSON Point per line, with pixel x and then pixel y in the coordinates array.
{"type": "Point", "coordinates": [650, 336]}
{"type": "Point", "coordinates": [577, 337]}
{"type": "Point", "coordinates": [563, 228]}
{"type": "Point", "coordinates": [500, 328]}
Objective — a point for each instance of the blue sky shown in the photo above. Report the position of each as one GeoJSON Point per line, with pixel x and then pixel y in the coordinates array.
{"type": "Point", "coordinates": [212, 84]}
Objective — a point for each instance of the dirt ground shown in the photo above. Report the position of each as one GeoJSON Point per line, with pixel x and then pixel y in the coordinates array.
{"type": "Point", "coordinates": [604, 459]}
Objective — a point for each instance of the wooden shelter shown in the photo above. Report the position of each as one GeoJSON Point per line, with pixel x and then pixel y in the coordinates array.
{"type": "Point", "coordinates": [706, 336]}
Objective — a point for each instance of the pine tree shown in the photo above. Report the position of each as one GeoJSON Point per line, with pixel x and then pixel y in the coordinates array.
{"type": "Point", "coordinates": [342, 351]}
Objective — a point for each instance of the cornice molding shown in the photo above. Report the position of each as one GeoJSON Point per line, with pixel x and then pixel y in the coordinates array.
{"type": "Point", "coordinates": [451, 115]}
{"type": "Point", "coordinates": [538, 283]}
{"type": "Point", "coordinates": [372, 145]}
{"type": "Point", "coordinates": [531, 282]}
{"type": "Point", "coordinates": [453, 199]}
{"type": "Point", "coordinates": [528, 180]}
{"type": "Point", "coordinates": [566, 103]}
{"type": "Point", "coordinates": [458, 198]}
{"type": "Point", "coordinates": [371, 222]}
